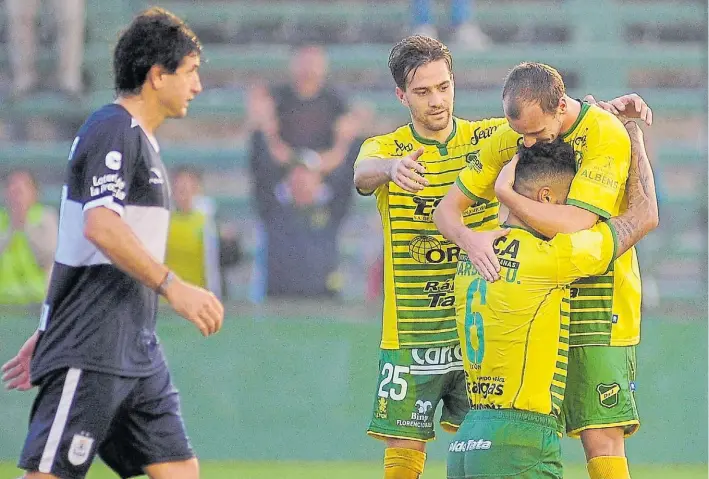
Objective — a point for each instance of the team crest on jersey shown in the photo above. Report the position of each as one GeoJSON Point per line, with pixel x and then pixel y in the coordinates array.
{"type": "Point", "coordinates": [381, 412]}
{"type": "Point", "coordinates": [114, 160]}
{"type": "Point", "coordinates": [80, 448]}
{"type": "Point", "coordinates": [608, 394]}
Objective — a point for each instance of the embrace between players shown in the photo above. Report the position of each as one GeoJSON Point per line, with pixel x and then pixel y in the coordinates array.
{"type": "Point", "coordinates": [521, 320]}
{"type": "Point", "coordinates": [103, 384]}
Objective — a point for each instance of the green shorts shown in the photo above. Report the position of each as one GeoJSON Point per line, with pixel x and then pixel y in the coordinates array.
{"type": "Point", "coordinates": [411, 384]}
{"type": "Point", "coordinates": [505, 443]}
{"type": "Point", "coordinates": [600, 389]}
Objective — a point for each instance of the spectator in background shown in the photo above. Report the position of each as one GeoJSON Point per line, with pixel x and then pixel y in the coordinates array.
{"type": "Point", "coordinates": [22, 44]}
{"type": "Point", "coordinates": [193, 241]}
{"type": "Point", "coordinates": [28, 238]}
{"type": "Point", "coordinates": [302, 152]}
{"type": "Point", "coordinates": [466, 31]}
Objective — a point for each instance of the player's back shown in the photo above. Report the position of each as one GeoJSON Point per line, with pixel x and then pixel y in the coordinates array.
{"type": "Point", "coordinates": [419, 263]}
{"type": "Point", "coordinates": [95, 316]}
{"type": "Point", "coordinates": [514, 332]}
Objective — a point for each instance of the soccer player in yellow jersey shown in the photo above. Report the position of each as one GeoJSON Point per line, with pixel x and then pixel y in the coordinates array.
{"type": "Point", "coordinates": [515, 332]}
{"type": "Point", "coordinates": [605, 310]}
{"type": "Point", "coordinates": [409, 170]}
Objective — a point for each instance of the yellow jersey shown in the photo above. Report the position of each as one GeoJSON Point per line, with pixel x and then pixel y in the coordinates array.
{"type": "Point", "coordinates": [192, 249]}
{"type": "Point", "coordinates": [514, 333]}
{"type": "Point", "coordinates": [419, 264]}
{"type": "Point", "coordinates": [605, 310]}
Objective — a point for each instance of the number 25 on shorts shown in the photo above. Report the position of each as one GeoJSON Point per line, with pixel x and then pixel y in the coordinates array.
{"type": "Point", "coordinates": [392, 375]}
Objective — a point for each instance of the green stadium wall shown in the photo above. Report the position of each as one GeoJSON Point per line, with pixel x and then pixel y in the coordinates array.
{"type": "Point", "coordinates": [300, 387]}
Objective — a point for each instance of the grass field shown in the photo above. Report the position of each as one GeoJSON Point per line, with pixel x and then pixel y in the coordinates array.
{"type": "Point", "coordinates": [363, 470]}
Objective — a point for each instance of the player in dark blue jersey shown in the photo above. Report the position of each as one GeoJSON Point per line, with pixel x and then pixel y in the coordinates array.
{"type": "Point", "coordinates": [104, 387]}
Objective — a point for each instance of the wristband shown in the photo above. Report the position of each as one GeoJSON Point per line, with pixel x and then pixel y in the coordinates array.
{"type": "Point", "coordinates": [169, 278]}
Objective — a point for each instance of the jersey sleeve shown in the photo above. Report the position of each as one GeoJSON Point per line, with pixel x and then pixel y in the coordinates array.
{"type": "Point", "coordinates": [372, 148]}
{"type": "Point", "coordinates": [600, 179]}
{"type": "Point", "coordinates": [477, 180]}
{"type": "Point", "coordinates": [585, 253]}
{"type": "Point", "coordinates": [106, 161]}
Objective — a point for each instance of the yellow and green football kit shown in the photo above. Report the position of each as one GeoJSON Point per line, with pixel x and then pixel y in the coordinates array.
{"type": "Point", "coordinates": [514, 335]}
{"type": "Point", "coordinates": [420, 361]}
{"type": "Point", "coordinates": [605, 309]}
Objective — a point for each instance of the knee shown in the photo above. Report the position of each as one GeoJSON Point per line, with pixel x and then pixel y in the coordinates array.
{"type": "Point", "coordinates": [406, 444]}
{"type": "Point", "coordinates": [188, 469]}
{"type": "Point", "coordinates": [603, 442]}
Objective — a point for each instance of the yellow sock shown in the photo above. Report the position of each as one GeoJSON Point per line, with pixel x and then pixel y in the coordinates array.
{"type": "Point", "coordinates": [608, 467]}
{"type": "Point", "coordinates": [401, 463]}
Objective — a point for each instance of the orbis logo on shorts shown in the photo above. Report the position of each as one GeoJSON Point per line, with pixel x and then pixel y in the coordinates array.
{"type": "Point", "coordinates": [470, 445]}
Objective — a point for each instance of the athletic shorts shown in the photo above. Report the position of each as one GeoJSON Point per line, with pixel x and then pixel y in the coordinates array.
{"type": "Point", "coordinates": [411, 384]}
{"type": "Point", "coordinates": [129, 422]}
{"type": "Point", "coordinates": [600, 389]}
{"type": "Point", "coordinates": [506, 443]}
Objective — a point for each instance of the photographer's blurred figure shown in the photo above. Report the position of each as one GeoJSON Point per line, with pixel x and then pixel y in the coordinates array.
{"type": "Point", "coordinates": [193, 240]}
{"type": "Point", "coordinates": [302, 149]}
{"type": "Point", "coordinates": [28, 238]}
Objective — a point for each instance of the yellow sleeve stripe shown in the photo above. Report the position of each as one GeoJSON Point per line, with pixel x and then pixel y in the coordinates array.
{"type": "Point", "coordinates": [469, 193]}
{"type": "Point", "coordinates": [583, 205]}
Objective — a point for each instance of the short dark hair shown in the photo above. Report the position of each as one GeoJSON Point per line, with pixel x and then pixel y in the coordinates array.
{"type": "Point", "coordinates": [544, 162]}
{"type": "Point", "coordinates": [533, 83]}
{"type": "Point", "coordinates": [414, 51]}
{"type": "Point", "coordinates": [188, 170]}
{"type": "Point", "coordinates": [154, 37]}
{"type": "Point", "coordinates": [23, 171]}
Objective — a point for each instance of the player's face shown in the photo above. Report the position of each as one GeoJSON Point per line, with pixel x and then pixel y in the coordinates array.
{"type": "Point", "coordinates": [535, 125]}
{"type": "Point", "coordinates": [185, 188]}
{"type": "Point", "coordinates": [429, 96]}
{"type": "Point", "coordinates": [181, 87]}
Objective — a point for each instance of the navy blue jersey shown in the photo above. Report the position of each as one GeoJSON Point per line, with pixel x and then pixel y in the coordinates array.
{"type": "Point", "coordinates": [97, 317]}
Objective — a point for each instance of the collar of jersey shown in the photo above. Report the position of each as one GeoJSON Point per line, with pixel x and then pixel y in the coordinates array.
{"type": "Point", "coordinates": [528, 230]}
{"type": "Point", "coordinates": [584, 108]}
{"type": "Point", "coordinates": [437, 144]}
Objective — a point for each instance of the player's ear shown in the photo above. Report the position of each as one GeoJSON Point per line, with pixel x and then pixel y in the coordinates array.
{"type": "Point", "coordinates": [545, 195]}
{"type": "Point", "coordinates": [156, 76]}
{"type": "Point", "coordinates": [401, 96]}
{"type": "Point", "coordinates": [563, 105]}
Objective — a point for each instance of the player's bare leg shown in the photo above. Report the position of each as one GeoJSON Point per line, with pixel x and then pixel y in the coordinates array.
{"type": "Point", "coordinates": [37, 475]}
{"type": "Point", "coordinates": [605, 453]}
{"type": "Point", "coordinates": [188, 469]}
{"type": "Point", "coordinates": [404, 459]}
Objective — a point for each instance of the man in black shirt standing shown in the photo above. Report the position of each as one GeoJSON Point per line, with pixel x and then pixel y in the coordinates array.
{"type": "Point", "coordinates": [104, 387]}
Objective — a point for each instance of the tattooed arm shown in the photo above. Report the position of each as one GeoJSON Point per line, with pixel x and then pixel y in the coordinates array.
{"type": "Point", "coordinates": [642, 214]}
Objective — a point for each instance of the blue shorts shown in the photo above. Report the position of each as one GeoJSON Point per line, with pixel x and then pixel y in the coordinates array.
{"type": "Point", "coordinates": [129, 422]}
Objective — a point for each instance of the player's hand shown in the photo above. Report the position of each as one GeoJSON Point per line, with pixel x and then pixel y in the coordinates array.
{"type": "Point", "coordinates": [626, 107]}
{"type": "Point", "coordinates": [407, 172]}
{"type": "Point", "coordinates": [478, 246]}
{"type": "Point", "coordinates": [506, 179]}
{"type": "Point", "coordinates": [16, 372]}
{"type": "Point", "coordinates": [196, 305]}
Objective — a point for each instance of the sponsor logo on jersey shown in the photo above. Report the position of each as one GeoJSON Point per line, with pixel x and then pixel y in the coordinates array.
{"type": "Point", "coordinates": [402, 148]}
{"type": "Point", "coordinates": [486, 386]}
{"type": "Point", "coordinates": [470, 445]}
{"type": "Point", "coordinates": [608, 394]}
{"type": "Point", "coordinates": [473, 161]}
{"type": "Point", "coordinates": [111, 182]}
{"type": "Point", "coordinates": [482, 133]}
{"type": "Point", "coordinates": [427, 249]}
{"type": "Point", "coordinates": [156, 177]}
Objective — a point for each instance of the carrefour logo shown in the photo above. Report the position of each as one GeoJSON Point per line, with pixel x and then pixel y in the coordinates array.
{"type": "Point", "coordinates": [427, 249]}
